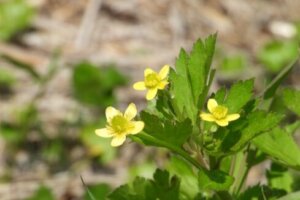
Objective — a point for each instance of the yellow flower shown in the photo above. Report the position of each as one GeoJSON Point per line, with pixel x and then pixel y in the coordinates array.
{"type": "Point", "coordinates": [120, 125]}
{"type": "Point", "coordinates": [153, 81]}
{"type": "Point", "coordinates": [218, 114]}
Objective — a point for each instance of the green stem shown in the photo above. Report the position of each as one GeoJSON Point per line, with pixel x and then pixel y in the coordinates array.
{"type": "Point", "coordinates": [245, 170]}
{"type": "Point", "coordinates": [244, 176]}
{"type": "Point", "coordinates": [173, 148]}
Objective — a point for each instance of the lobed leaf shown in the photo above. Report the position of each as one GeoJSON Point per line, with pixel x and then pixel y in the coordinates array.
{"type": "Point", "coordinates": [171, 132]}
{"type": "Point", "coordinates": [239, 94]}
{"type": "Point", "coordinates": [214, 180]}
{"type": "Point", "coordinates": [161, 187]}
{"type": "Point", "coordinates": [291, 99]}
{"type": "Point", "coordinates": [272, 143]}
{"type": "Point", "coordinates": [258, 122]}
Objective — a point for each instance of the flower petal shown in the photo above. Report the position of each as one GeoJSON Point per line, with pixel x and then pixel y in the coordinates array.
{"type": "Point", "coordinates": [138, 127]}
{"type": "Point", "coordinates": [222, 122]}
{"type": "Point", "coordinates": [232, 117]}
{"type": "Point", "coordinates": [118, 140]}
{"type": "Point", "coordinates": [151, 94]}
{"type": "Point", "coordinates": [139, 85]}
{"type": "Point", "coordinates": [148, 71]}
{"type": "Point", "coordinates": [130, 112]}
{"type": "Point", "coordinates": [163, 73]}
{"type": "Point", "coordinates": [207, 117]}
{"type": "Point", "coordinates": [104, 132]}
{"type": "Point", "coordinates": [162, 85]}
{"type": "Point", "coordinates": [211, 105]}
{"type": "Point", "coordinates": [110, 112]}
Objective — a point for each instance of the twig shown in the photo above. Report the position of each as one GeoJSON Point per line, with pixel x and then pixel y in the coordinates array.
{"type": "Point", "coordinates": [87, 23]}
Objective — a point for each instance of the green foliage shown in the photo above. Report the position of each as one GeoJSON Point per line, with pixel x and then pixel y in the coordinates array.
{"type": "Point", "coordinates": [98, 191]}
{"type": "Point", "coordinates": [276, 54]}
{"type": "Point", "coordinates": [191, 81]}
{"type": "Point", "coordinates": [280, 178]}
{"type": "Point", "coordinates": [189, 181]}
{"type": "Point", "coordinates": [272, 143]}
{"type": "Point", "coordinates": [233, 65]}
{"type": "Point", "coordinates": [42, 193]}
{"type": "Point", "coordinates": [161, 187]}
{"type": "Point", "coordinates": [94, 86]}
{"type": "Point", "coordinates": [7, 79]}
{"type": "Point", "coordinates": [173, 133]}
{"type": "Point", "coordinates": [261, 192]}
{"type": "Point", "coordinates": [214, 180]}
{"type": "Point", "coordinates": [239, 94]}
{"type": "Point", "coordinates": [15, 15]}
{"type": "Point", "coordinates": [271, 88]}
{"type": "Point", "coordinates": [291, 196]}
{"type": "Point", "coordinates": [258, 122]}
{"type": "Point", "coordinates": [291, 98]}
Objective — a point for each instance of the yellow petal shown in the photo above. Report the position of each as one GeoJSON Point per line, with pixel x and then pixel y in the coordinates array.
{"type": "Point", "coordinates": [163, 73]}
{"type": "Point", "coordinates": [211, 104]}
{"type": "Point", "coordinates": [232, 117]}
{"type": "Point", "coordinates": [103, 132]}
{"type": "Point", "coordinates": [162, 85]}
{"type": "Point", "coordinates": [207, 117]}
{"type": "Point", "coordinates": [138, 127]}
{"type": "Point", "coordinates": [151, 94]}
{"type": "Point", "coordinates": [110, 112]}
{"type": "Point", "coordinates": [130, 112]}
{"type": "Point", "coordinates": [139, 85]}
{"type": "Point", "coordinates": [148, 71]}
{"type": "Point", "coordinates": [222, 122]}
{"type": "Point", "coordinates": [118, 140]}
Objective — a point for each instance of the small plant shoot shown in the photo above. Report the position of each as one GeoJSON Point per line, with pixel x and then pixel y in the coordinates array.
{"type": "Point", "coordinates": [214, 138]}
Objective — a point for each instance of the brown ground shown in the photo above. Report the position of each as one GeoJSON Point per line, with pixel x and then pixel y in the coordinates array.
{"type": "Point", "coordinates": [132, 34]}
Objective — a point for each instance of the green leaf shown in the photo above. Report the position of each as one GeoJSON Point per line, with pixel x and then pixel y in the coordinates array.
{"type": "Point", "coordinates": [280, 178]}
{"type": "Point", "coordinates": [261, 192]}
{"type": "Point", "coordinates": [197, 70]}
{"type": "Point", "coordinates": [291, 196]}
{"type": "Point", "coordinates": [15, 15]}
{"type": "Point", "coordinates": [219, 96]}
{"type": "Point", "coordinates": [233, 64]}
{"type": "Point", "coordinates": [272, 143]}
{"type": "Point", "coordinates": [214, 180]}
{"type": "Point", "coordinates": [257, 123]}
{"type": "Point", "coordinates": [274, 84]}
{"type": "Point", "coordinates": [189, 181]}
{"type": "Point", "coordinates": [93, 86]}
{"type": "Point", "coordinates": [291, 98]}
{"type": "Point", "coordinates": [181, 89]}
{"type": "Point", "coordinates": [210, 43]}
{"type": "Point", "coordinates": [239, 94]}
{"type": "Point", "coordinates": [161, 187]}
{"type": "Point", "coordinates": [172, 132]}
{"type": "Point", "coordinates": [42, 193]}
{"type": "Point", "coordinates": [192, 78]}
{"type": "Point", "coordinates": [276, 54]}
{"type": "Point", "coordinates": [7, 78]}
{"type": "Point", "coordinates": [95, 192]}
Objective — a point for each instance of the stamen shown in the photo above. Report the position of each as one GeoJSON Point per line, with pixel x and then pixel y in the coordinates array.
{"type": "Point", "coordinates": [152, 80]}
{"type": "Point", "coordinates": [220, 112]}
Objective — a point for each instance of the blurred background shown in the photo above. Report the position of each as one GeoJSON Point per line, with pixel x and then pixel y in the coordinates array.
{"type": "Point", "coordinates": [63, 61]}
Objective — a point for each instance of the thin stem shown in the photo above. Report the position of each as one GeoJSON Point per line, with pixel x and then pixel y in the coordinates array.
{"type": "Point", "coordinates": [244, 173]}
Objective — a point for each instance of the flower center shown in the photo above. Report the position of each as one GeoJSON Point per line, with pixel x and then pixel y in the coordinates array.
{"type": "Point", "coordinates": [152, 80]}
{"type": "Point", "coordinates": [220, 112]}
{"type": "Point", "coordinates": [120, 124]}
